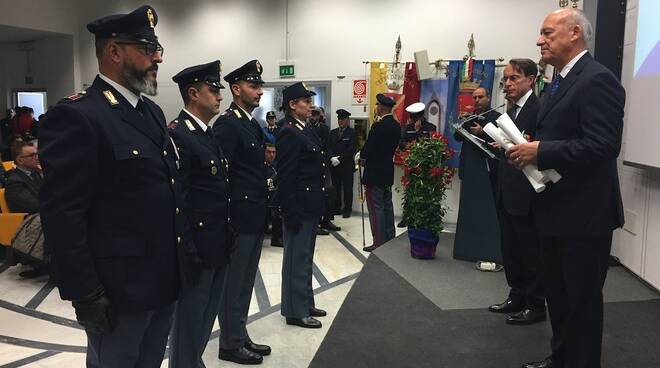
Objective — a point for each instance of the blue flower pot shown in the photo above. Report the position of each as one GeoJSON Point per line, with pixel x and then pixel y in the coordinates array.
{"type": "Point", "coordinates": [423, 243]}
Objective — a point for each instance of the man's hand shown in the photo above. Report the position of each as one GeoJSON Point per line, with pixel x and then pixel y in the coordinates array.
{"type": "Point", "coordinates": [495, 145]}
{"type": "Point", "coordinates": [476, 129]}
{"type": "Point", "coordinates": [524, 154]}
{"type": "Point", "coordinates": [95, 313]}
{"type": "Point", "coordinates": [357, 157]}
{"type": "Point", "coordinates": [334, 161]}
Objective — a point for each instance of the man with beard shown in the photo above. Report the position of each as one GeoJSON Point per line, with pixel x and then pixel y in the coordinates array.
{"type": "Point", "coordinates": [205, 192]}
{"type": "Point", "coordinates": [110, 201]}
{"type": "Point", "coordinates": [242, 142]}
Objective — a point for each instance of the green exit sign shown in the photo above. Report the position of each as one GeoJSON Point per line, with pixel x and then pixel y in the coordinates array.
{"type": "Point", "coordinates": [287, 71]}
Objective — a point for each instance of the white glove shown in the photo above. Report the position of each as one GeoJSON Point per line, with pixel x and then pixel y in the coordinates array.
{"type": "Point", "coordinates": [334, 160]}
{"type": "Point", "coordinates": [357, 157]}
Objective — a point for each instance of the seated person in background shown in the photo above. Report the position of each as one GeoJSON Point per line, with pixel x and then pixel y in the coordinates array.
{"type": "Point", "coordinates": [24, 182]}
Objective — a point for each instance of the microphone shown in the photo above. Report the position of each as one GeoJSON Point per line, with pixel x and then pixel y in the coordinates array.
{"type": "Point", "coordinates": [470, 117]}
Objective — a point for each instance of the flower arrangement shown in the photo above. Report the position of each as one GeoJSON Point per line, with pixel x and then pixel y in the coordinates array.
{"type": "Point", "coordinates": [425, 181]}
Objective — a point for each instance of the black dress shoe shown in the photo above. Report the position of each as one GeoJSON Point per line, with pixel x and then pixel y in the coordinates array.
{"type": "Point", "coordinates": [262, 350]}
{"type": "Point", "coordinates": [306, 322]}
{"type": "Point", "coordinates": [402, 223]}
{"type": "Point", "coordinates": [370, 248]}
{"type": "Point", "coordinates": [346, 215]}
{"type": "Point", "coordinates": [545, 363]}
{"type": "Point", "coordinates": [330, 226]}
{"type": "Point", "coordinates": [240, 356]}
{"type": "Point", "coordinates": [315, 312]}
{"type": "Point", "coordinates": [508, 306]}
{"type": "Point", "coordinates": [276, 243]}
{"type": "Point", "coordinates": [320, 231]}
{"type": "Point", "coordinates": [525, 317]}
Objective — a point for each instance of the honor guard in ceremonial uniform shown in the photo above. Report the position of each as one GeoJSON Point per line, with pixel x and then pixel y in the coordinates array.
{"type": "Point", "coordinates": [111, 205]}
{"type": "Point", "coordinates": [341, 149]}
{"type": "Point", "coordinates": [271, 128]}
{"type": "Point", "coordinates": [377, 157]}
{"type": "Point", "coordinates": [301, 163]}
{"type": "Point", "coordinates": [203, 170]}
{"type": "Point", "coordinates": [242, 142]}
{"type": "Point", "coordinates": [418, 127]}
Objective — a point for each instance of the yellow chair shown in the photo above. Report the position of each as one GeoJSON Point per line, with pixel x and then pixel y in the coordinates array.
{"type": "Point", "coordinates": [9, 224]}
{"type": "Point", "coordinates": [9, 165]}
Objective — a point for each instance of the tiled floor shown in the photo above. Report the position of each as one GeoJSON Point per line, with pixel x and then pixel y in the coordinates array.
{"type": "Point", "coordinates": [37, 329]}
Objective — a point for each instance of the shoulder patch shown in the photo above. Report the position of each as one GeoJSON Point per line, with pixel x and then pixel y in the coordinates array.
{"type": "Point", "coordinates": [74, 97]}
{"type": "Point", "coordinates": [300, 126]}
{"type": "Point", "coordinates": [238, 113]}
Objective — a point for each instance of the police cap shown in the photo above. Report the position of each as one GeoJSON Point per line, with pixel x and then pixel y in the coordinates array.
{"type": "Point", "coordinates": [270, 114]}
{"type": "Point", "coordinates": [208, 73]}
{"type": "Point", "coordinates": [384, 100]}
{"type": "Point", "coordinates": [294, 91]}
{"type": "Point", "coordinates": [343, 114]}
{"type": "Point", "coordinates": [249, 72]}
{"type": "Point", "coordinates": [138, 25]}
{"type": "Point", "coordinates": [416, 109]}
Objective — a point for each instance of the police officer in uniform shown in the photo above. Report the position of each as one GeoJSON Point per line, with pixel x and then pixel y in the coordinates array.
{"type": "Point", "coordinates": [242, 142]}
{"type": "Point", "coordinates": [206, 196]}
{"type": "Point", "coordinates": [318, 126]}
{"type": "Point", "coordinates": [378, 177]}
{"type": "Point", "coordinates": [273, 215]}
{"type": "Point", "coordinates": [418, 127]}
{"type": "Point", "coordinates": [301, 163]}
{"type": "Point", "coordinates": [111, 205]}
{"type": "Point", "coordinates": [342, 148]}
{"type": "Point", "coordinates": [271, 128]}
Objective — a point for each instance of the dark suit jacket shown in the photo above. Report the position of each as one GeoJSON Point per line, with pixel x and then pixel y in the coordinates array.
{"type": "Point", "coordinates": [300, 163]}
{"type": "Point", "coordinates": [344, 146]}
{"type": "Point", "coordinates": [410, 134]}
{"type": "Point", "coordinates": [203, 170]}
{"type": "Point", "coordinates": [514, 192]}
{"type": "Point", "coordinates": [22, 192]}
{"type": "Point", "coordinates": [378, 152]}
{"type": "Point", "coordinates": [580, 130]}
{"type": "Point", "coordinates": [242, 142]}
{"type": "Point", "coordinates": [111, 202]}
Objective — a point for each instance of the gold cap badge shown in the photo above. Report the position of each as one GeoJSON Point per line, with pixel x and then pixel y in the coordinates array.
{"type": "Point", "coordinates": [259, 69]}
{"type": "Point", "coordinates": [150, 17]}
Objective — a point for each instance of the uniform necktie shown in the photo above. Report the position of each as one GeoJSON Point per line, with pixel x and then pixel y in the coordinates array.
{"type": "Point", "coordinates": [513, 111]}
{"type": "Point", "coordinates": [144, 111]}
{"type": "Point", "coordinates": [555, 84]}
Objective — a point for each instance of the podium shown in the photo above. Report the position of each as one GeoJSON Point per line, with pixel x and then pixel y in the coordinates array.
{"type": "Point", "coordinates": [477, 230]}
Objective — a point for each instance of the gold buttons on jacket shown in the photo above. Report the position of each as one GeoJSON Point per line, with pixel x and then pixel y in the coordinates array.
{"type": "Point", "coordinates": [178, 240]}
{"type": "Point", "coordinates": [201, 224]}
{"type": "Point", "coordinates": [177, 211]}
{"type": "Point", "coordinates": [136, 152]}
{"type": "Point", "coordinates": [164, 153]}
{"type": "Point", "coordinates": [172, 181]}
{"type": "Point", "coordinates": [214, 170]}
{"type": "Point", "coordinates": [307, 189]}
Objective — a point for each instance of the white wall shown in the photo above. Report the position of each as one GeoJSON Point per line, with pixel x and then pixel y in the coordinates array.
{"type": "Point", "coordinates": [638, 245]}
{"type": "Point", "coordinates": [52, 68]}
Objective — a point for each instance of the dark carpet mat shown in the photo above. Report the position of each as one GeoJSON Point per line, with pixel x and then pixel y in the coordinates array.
{"type": "Point", "coordinates": [386, 322]}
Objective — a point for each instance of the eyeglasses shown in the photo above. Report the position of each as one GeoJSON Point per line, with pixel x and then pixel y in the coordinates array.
{"type": "Point", "coordinates": [29, 155]}
{"type": "Point", "coordinates": [149, 48]}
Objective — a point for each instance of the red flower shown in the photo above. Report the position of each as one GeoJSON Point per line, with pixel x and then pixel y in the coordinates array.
{"type": "Point", "coordinates": [406, 170]}
{"type": "Point", "coordinates": [405, 181]}
{"type": "Point", "coordinates": [436, 171]}
{"type": "Point", "coordinates": [436, 135]}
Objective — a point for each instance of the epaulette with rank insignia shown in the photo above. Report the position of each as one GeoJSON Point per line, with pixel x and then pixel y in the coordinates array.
{"type": "Point", "coordinates": [299, 126]}
{"type": "Point", "coordinates": [172, 124]}
{"type": "Point", "coordinates": [238, 113]}
{"type": "Point", "coordinates": [73, 97]}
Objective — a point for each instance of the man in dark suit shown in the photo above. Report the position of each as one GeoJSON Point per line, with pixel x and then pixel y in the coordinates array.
{"type": "Point", "coordinates": [24, 183]}
{"type": "Point", "coordinates": [578, 133]}
{"type": "Point", "coordinates": [377, 157]}
{"type": "Point", "coordinates": [481, 98]}
{"type": "Point", "coordinates": [341, 149]}
{"type": "Point", "coordinates": [273, 216]}
{"type": "Point", "coordinates": [111, 203]}
{"type": "Point", "coordinates": [203, 170]}
{"type": "Point", "coordinates": [242, 142]}
{"type": "Point", "coordinates": [521, 251]}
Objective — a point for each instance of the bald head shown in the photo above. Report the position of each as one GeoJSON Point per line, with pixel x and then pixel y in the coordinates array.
{"type": "Point", "coordinates": [564, 34]}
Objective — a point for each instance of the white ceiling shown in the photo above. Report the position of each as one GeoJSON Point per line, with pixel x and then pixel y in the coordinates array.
{"type": "Point", "coordinates": [14, 34]}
